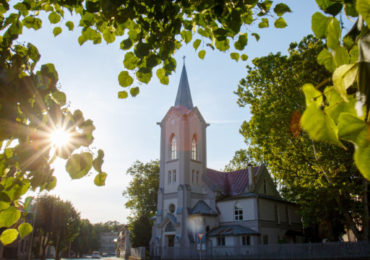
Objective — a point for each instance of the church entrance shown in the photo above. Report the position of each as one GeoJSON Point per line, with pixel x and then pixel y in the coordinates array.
{"type": "Point", "coordinates": [170, 240]}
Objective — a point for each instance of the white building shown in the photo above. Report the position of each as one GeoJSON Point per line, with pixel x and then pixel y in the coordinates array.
{"type": "Point", "coordinates": [232, 209]}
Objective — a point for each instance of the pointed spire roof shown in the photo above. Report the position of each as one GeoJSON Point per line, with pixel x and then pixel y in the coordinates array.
{"type": "Point", "coordinates": [183, 97]}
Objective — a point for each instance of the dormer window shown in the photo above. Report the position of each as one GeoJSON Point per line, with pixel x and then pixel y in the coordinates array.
{"type": "Point", "coordinates": [194, 148]}
{"type": "Point", "coordinates": [173, 148]}
{"type": "Point", "coordinates": [238, 212]}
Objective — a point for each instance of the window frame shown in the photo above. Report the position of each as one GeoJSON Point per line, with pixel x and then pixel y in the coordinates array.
{"type": "Point", "coordinates": [173, 147]}
{"type": "Point", "coordinates": [221, 241]}
{"type": "Point", "coordinates": [238, 213]}
{"type": "Point", "coordinates": [194, 150]}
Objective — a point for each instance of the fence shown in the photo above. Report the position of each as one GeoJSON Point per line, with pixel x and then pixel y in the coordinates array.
{"type": "Point", "coordinates": [336, 250]}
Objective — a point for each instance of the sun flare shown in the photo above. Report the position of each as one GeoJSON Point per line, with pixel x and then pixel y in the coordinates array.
{"type": "Point", "coordinates": [59, 137]}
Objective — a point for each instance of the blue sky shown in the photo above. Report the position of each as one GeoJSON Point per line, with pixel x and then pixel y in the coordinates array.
{"type": "Point", "coordinates": [126, 129]}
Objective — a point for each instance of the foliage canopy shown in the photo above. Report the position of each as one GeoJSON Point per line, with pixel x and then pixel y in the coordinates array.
{"type": "Point", "coordinates": [319, 177]}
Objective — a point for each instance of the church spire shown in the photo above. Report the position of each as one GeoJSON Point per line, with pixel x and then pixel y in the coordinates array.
{"type": "Point", "coordinates": [183, 97]}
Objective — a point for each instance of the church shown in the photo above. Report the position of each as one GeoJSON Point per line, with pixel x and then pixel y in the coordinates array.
{"type": "Point", "coordinates": [200, 210]}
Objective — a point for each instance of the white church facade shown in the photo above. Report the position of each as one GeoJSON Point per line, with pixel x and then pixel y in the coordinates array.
{"type": "Point", "coordinates": [231, 211]}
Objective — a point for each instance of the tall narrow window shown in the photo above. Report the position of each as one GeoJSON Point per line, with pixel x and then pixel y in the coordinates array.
{"type": "Point", "coordinates": [174, 176]}
{"type": "Point", "coordinates": [194, 148]}
{"type": "Point", "coordinates": [238, 212]}
{"type": "Point", "coordinates": [192, 176]}
{"type": "Point", "coordinates": [169, 177]}
{"type": "Point", "coordinates": [173, 151]}
{"type": "Point", "coordinates": [197, 177]}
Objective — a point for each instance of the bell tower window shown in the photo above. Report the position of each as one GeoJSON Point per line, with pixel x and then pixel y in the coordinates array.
{"type": "Point", "coordinates": [194, 148]}
{"type": "Point", "coordinates": [173, 148]}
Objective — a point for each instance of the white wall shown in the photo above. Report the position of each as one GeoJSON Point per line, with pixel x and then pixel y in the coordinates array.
{"type": "Point", "coordinates": [227, 209]}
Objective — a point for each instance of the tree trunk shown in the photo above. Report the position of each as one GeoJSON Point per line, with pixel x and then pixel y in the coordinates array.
{"type": "Point", "coordinates": [365, 217]}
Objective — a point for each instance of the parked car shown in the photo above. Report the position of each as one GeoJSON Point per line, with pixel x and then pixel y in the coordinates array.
{"type": "Point", "coordinates": [95, 255]}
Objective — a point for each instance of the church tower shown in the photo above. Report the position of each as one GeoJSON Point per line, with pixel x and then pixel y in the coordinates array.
{"type": "Point", "coordinates": [183, 161]}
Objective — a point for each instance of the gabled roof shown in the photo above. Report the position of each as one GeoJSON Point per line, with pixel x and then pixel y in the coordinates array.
{"type": "Point", "coordinates": [183, 97]}
{"type": "Point", "coordinates": [203, 209]}
{"type": "Point", "coordinates": [231, 230]}
{"type": "Point", "coordinates": [228, 183]}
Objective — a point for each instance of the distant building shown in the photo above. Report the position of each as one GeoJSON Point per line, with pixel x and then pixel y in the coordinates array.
{"type": "Point", "coordinates": [223, 209]}
{"type": "Point", "coordinates": [107, 242]}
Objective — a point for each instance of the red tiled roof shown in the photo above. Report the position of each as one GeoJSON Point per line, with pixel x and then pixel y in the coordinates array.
{"type": "Point", "coordinates": [228, 183]}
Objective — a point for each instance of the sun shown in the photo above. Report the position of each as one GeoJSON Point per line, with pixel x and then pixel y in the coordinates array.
{"type": "Point", "coordinates": [59, 138]}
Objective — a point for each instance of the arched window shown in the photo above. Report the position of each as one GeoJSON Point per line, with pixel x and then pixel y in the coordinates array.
{"type": "Point", "coordinates": [238, 212]}
{"type": "Point", "coordinates": [173, 148]}
{"type": "Point", "coordinates": [194, 148]}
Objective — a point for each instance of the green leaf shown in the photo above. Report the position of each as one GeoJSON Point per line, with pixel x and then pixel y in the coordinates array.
{"type": "Point", "coordinates": [264, 23]}
{"type": "Point", "coordinates": [350, 9]}
{"type": "Point", "coordinates": [130, 61]}
{"type": "Point", "coordinates": [186, 36]}
{"type": "Point", "coordinates": [319, 126]}
{"type": "Point", "coordinates": [144, 76]}
{"type": "Point", "coordinates": [312, 95]}
{"type": "Point", "coordinates": [280, 23]}
{"type": "Point", "coordinates": [126, 44]}
{"type": "Point", "coordinates": [9, 217]}
{"type": "Point", "coordinates": [333, 34]}
{"type": "Point", "coordinates": [241, 42]}
{"type": "Point", "coordinates": [361, 156]}
{"type": "Point", "coordinates": [353, 53]}
{"type": "Point", "coordinates": [350, 128]}
{"type": "Point", "coordinates": [222, 45]}
{"type": "Point", "coordinates": [337, 105]}
{"type": "Point", "coordinates": [20, 7]}
{"type": "Point", "coordinates": [122, 94]}
{"type": "Point", "coordinates": [54, 17]}
{"type": "Point", "coordinates": [70, 25]}
{"type": "Point", "coordinates": [8, 153]}
{"type": "Point", "coordinates": [201, 54]}
{"type": "Point", "coordinates": [281, 9]}
{"type": "Point", "coordinates": [341, 56]}
{"type": "Point", "coordinates": [79, 165]}
{"type": "Point", "coordinates": [343, 78]}
{"type": "Point", "coordinates": [59, 97]}
{"type": "Point", "coordinates": [163, 78]}
{"type": "Point", "coordinates": [57, 31]}
{"type": "Point", "coordinates": [32, 22]}
{"type": "Point", "coordinates": [196, 44]}
{"type": "Point", "coordinates": [98, 161]}
{"type": "Point", "coordinates": [326, 58]}
{"type": "Point", "coordinates": [355, 130]}
{"type": "Point", "coordinates": [109, 35]}
{"type": "Point", "coordinates": [82, 39]}
{"type": "Point", "coordinates": [24, 229]}
{"type": "Point", "coordinates": [125, 79]}
{"type": "Point", "coordinates": [33, 52]}
{"type": "Point", "coordinates": [134, 91]}
{"type": "Point", "coordinates": [319, 24]}
{"type": "Point", "coordinates": [99, 179]}
{"type": "Point", "coordinates": [8, 236]}
{"type": "Point", "coordinates": [244, 57]}
{"type": "Point", "coordinates": [234, 56]}
{"type": "Point", "coordinates": [52, 183]}
{"type": "Point", "coordinates": [332, 7]}
{"type": "Point", "coordinates": [256, 35]}
{"type": "Point", "coordinates": [363, 8]}
{"type": "Point", "coordinates": [50, 71]}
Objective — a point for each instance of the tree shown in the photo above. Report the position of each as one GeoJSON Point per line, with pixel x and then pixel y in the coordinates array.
{"type": "Point", "coordinates": [56, 224]}
{"type": "Point", "coordinates": [142, 200]}
{"type": "Point", "coordinates": [241, 160]}
{"type": "Point", "coordinates": [320, 178]}
{"type": "Point", "coordinates": [85, 241]}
